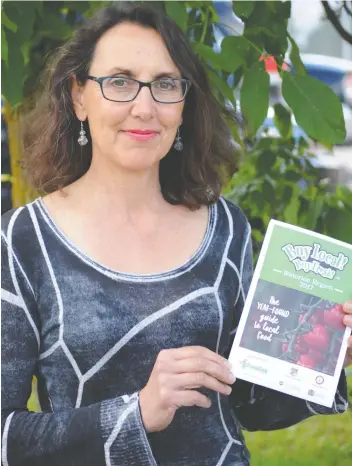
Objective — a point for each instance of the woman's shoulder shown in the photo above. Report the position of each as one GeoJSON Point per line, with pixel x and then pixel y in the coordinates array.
{"type": "Point", "coordinates": [17, 225]}
{"type": "Point", "coordinates": [234, 213]}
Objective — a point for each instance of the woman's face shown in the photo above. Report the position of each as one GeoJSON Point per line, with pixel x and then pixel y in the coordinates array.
{"type": "Point", "coordinates": [129, 50]}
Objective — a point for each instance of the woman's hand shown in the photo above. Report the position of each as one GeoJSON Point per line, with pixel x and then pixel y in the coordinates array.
{"type": "Point", "coordinates": [347, 307]}
{"type": "Point", "coordinates": [176, 372]}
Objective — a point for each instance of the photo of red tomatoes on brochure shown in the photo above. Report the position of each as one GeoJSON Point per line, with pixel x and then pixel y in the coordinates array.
{"type": "Point", "coordinates": [295, 327]}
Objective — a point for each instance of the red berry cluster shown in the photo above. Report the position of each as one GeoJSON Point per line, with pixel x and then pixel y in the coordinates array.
{"type": "Point", "coordinates": [313, 341]}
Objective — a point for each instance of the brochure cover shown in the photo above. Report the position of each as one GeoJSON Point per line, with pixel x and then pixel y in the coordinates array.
{"type": "Point", "coordinates": [291, 336]}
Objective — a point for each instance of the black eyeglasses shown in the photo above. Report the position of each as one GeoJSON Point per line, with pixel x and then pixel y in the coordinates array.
{"type": "Point", "coordinates": [123, 89]}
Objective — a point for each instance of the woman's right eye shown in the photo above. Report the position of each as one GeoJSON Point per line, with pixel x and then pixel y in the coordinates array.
{"type": "Point", "coordinates": [119, 82]}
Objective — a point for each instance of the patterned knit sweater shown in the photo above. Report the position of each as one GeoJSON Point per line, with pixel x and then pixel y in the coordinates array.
{"type": "Point", "coordinates": [91, 336]}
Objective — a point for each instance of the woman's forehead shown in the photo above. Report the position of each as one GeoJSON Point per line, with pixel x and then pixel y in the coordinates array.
{"type": "Point", "coordinates": [132, 47]}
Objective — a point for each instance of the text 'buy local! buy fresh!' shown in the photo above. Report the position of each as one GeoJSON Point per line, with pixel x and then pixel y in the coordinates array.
{"type": "Point", "coordinates": [310, 259]}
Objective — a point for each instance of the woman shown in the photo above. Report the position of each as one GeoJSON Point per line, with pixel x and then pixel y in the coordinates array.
{"type": "Point", "coordinates": [122, 285]}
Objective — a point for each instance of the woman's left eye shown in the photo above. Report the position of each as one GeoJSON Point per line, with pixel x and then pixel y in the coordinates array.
{"type": "Point", "coordinates": [166, 85]}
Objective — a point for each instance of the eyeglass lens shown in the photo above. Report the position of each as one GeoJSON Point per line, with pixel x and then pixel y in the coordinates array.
{"type": "Point", "coordinates": [124, 89]}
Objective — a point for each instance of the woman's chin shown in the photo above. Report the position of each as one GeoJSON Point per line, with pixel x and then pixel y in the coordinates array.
{"type": "Point", "coordinates": [138, 162]}
{"type": "Point", "coordinates": [139, 165]}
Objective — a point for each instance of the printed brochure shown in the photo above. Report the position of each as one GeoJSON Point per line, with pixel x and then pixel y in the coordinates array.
{"type": "Point", "coordinates": [291, 336]}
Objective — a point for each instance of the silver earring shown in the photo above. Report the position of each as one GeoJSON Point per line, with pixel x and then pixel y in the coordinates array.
{"type": "Point", "coordinates": [82, 140]}
{"type": "Point", "coordinates": [178, 144]}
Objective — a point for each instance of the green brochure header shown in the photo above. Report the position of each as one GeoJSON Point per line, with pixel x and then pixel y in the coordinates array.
{"type": "Point", "coordinates": [308, 262]}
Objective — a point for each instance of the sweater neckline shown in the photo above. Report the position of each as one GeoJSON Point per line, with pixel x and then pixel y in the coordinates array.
{"type": "Point", "coordinates": [196, 257]}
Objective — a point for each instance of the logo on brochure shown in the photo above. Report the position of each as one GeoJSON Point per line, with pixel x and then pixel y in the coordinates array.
{"type": "Point", "coordinates": [255, 367]}
{"type": "Point", "coordinates": [293, 371]}
{"type": "Point", "coordinates": [319, 379]}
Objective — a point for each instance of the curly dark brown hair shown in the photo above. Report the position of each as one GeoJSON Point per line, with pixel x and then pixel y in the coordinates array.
{"type": "Point", "coordinates": [52, 157]}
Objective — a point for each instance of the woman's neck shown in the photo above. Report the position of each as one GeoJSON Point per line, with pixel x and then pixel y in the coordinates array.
{"type": "Point", "coordinates": [114, 189]}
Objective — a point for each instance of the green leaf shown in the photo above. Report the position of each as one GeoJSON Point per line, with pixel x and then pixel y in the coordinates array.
{"type": "Point", "coordinates": [282, 120]}
{"type": "Point", "coordinates": [221, 85]}
{"type": "Point", "coordinates": [233, 52]}
{"type": "Point", "coordinates": [310, 217]}
{"type": "Point", "coordinates": [215, 59]}
{"type": "Point", "coordinates": [243, 9]}
{"type": "Point", "coordinates": [339, 224]}
{"type": "Point", "coordinates": [235, 133]}
{"type": "Point", "coordinates": [25, 49]}
{"type": "Point", "coordinates": [39, 7]}
{"type": "Point", "coordinates": [345, 194]}
{"type": "Point", "coordinates": [79, 6]}
{"type": "Point", "coordinates": [13, 76]}
{"type": "Point", "coordinates": [257, 235]}
{"type": "Point", "coordinates": [291, 211]}
{"type": "Point", "coordinates": [266, 161]}
{"type": "Point", "coordinates": [268, 192]}
{"type": "Point", "coordinates": [295, 58]}
{"type": "Point", "coordinates": [283, 9]}
{"type": "Point", "coordinates": [24, 14]}
{"type": "Point", "coordinates": [316, 107]}
{"type": "Point", "coordinates": [7, 22]}
{"type": "Point", "coordinates": [177, 11]}
{"type": "Point", "coordinates": [56, 28]}
{"type": "Point", "coordinates": [4, 47]}
{"type": "Point", "coordinates": [255, 96]}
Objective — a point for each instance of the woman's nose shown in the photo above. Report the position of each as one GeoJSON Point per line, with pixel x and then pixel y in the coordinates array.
{"type": "Point", "coordinates": [144, 104]}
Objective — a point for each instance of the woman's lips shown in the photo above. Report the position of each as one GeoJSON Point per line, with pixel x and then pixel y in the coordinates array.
{"type": "Point", "coordinates": [140, 135]}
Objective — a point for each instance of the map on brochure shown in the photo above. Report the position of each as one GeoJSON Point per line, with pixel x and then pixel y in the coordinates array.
{"type": "Point", "coordinates": [291, 336]}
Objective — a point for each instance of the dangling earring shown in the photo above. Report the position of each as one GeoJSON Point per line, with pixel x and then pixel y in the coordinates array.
{"type": "Point", "coordinates": [178, 144]}
{"type": "Point", "coordinates": [82, 140]}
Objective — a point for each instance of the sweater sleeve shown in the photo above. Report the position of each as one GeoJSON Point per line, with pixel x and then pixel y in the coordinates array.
{"type": "Point", "coordinates": [260, 408]}
{"type": "Point", "coordinates": [109, 433]}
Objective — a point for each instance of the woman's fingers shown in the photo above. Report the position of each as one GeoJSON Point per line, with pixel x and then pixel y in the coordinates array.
{"type": "Point", "coordinates": [348, 358]}
{"type": "Point", "coordinates": [189, 398]}
{"type": "Point", "coordinates": [197, 352]}
{"type": "Point", "coordinates": [199, 379]}
{"type": "Point", "coordinates": [347, 307]}
{"type": "Point", "coordinates": [205, 366]}
{"type": "Point", "coordinates": [347, 320]}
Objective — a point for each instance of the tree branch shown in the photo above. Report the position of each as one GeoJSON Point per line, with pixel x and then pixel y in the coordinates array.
{"type": "Point", "coordinates": [347, 9]}
{"type": "Point", "coordinates": [335, 21]}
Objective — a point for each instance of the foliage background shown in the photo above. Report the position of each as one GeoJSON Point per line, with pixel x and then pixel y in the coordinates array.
{"type": "Point", "coordinates": [276, 177]}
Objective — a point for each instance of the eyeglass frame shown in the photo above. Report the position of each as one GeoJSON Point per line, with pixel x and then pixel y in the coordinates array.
{"type": "Point", "coordinates": [141, 84]}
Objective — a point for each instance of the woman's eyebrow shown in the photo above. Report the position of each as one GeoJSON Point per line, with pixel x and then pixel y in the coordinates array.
{"type": "Point", "coordinates": [127, 72]}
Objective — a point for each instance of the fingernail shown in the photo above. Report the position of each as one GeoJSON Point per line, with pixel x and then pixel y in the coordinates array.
{"type": "Point", "coordinates": [229, 390]}
{"type": "Point", "coordinates": [348, 306]}
{"type": "Point", "coordinates": [347, 321]}
{"type": "Point", "coordinates": [233, 378]}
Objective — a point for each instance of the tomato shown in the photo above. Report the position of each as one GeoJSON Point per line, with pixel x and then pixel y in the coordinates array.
{"type": "Point", "coordinates": [316, 356]}
{"type": "Point", "coordinates": [306, 361]}
{"type": "Point", "coordinates": [334, 318]}
{"type": "Point", "coordinates": [301, 346]}
{"type": "Point", "coordinates": [316, 318]}
{"type": "Point", "coordinates": [318, 337]}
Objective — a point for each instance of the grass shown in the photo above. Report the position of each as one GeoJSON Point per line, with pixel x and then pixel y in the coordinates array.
{"type": "Point", "coordinates": [318, 441]}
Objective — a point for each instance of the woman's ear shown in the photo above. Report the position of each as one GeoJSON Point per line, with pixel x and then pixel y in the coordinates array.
{"type": "Point", "coordinates": [77, 96]}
